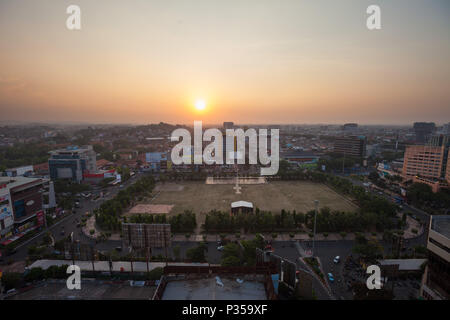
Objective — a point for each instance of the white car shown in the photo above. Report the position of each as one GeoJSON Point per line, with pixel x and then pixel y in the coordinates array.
{"type": "Point", "coordinates": [220, 248]}
{"type": "Point", "coordinates": [336, 259]}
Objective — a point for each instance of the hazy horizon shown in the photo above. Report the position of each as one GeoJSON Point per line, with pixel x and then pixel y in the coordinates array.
{"type": "Point", "coordinates": [253, 62]}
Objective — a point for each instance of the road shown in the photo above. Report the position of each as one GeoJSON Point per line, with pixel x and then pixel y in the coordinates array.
{"type": "Point", "coordinates": [325, 250]}
{"type": "Point", "coordinates": [69, 224]}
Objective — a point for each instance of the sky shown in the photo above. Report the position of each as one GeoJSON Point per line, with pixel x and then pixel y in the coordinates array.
{"type": "Point", "coordinates": [252, 61]}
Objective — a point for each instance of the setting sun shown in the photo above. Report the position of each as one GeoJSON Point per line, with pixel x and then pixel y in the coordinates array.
{"type": "Point", "coordinates": [200, 104]}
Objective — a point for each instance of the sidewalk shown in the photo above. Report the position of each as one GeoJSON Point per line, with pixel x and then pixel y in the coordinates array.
{"type": "Point", "coordinates": [268, 236]}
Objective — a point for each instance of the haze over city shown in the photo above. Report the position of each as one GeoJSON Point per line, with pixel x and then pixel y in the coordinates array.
{"type": "Point", "coordinates": [252, 62]}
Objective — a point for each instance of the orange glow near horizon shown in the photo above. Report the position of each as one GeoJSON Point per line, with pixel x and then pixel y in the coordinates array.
{"type": "Point", "coordinates": [271, 62]}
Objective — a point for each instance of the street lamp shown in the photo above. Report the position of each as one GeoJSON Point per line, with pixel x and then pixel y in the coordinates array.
{"type": "Point", "coordinates": [316, 204]}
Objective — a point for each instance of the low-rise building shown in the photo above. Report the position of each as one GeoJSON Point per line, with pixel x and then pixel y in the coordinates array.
{"type": "Point", "coordinates": [24, 200]}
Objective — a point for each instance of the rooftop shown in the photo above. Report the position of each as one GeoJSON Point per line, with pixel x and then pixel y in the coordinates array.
{"type": "Point", "coordinates": [239, 204]}
{"type": "Point", "coordinates": [208, 289]}
{"type": "Point", "coordinates": [404, 264]}
{"type": "Point", "coordinates": [72, 149]}
{"type": "Point", "coordinates": [13, 182]}
{"type": "Point", "coordinates": [90, 290]}
{"type": "Point", "coordinates": [441, 224]}
{"type": "Point", "coordinates": [103, 266]}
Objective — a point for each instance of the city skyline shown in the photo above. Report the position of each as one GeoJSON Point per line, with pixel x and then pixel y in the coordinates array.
{"type": "Point", "coordinates": [254, 62]}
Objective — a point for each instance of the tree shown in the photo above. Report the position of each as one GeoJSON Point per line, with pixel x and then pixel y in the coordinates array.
{"type": "Point", "coordinates": [176, 252]}
{"type": "Point", "coordinates": [231, 255]}
{"type": "Point", "coordinates": [197, 254]}
{"type": "Point", "coordinates": [11, 280]}
{"type": "Point", "coordinates": [231, 261]}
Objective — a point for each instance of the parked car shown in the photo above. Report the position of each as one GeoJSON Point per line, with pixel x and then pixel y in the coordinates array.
{"type": "Point", "coordinates": [336, 259]}
{"type": "Point", "coordinates": [330, 277]}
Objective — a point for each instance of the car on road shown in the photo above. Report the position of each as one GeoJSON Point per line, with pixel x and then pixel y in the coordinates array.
{"type": "Point", "coordinates": [118, 249]}
{"type": "Point", "coordinates": [330, 277]}
{"type": "Point", "coordinates": [336, 259]}
{"type": "Point", "coordinates": [220, 248]}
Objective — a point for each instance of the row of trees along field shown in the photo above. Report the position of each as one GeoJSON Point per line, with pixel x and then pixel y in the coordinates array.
{"type": "Point", "coordinates": [108, 214]}
{"type": "Point", "coordinates": [375, 213]}
{"type": "Point", "coordinates": [182, 222]}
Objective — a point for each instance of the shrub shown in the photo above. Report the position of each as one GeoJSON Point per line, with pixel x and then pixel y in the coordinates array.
{"type": "Point", "coordinates": [155, 274]}
{"type": "Point", "coordinates": [274, 235]}
{"type": "Point", "coordinates": [11, 280]}
{"type": "Point", "coordinates": [311, 235]}
{"type": "Point", "coordinates": [291, 235]}
{"type": "Point", "coordinates": [238, 235]}
{"type": "Point", "coordinates": [187, 235]}
{"type": "Point", "coordinates": [92, 231]}
{"type": "Point", "coordinates": [415, 231]}
{"type": "Point", "coordinates": [325, 234]}
{"type": "Point", "coordinates": [343, 234]}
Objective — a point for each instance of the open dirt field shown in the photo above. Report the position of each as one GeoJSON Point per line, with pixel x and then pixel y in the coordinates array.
{"type": "Point", "coordinates": [273, 196]}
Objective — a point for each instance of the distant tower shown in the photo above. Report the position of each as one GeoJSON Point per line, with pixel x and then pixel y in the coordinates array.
{"type": "Point", "coordinates": [228, 125]}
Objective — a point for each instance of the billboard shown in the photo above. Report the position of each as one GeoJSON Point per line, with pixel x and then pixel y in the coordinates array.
{"type": "Point", "coordinates": [5, 207]}
{"type": "Point", "coordinates": [40, 218]}
{"type": "Point", "coordinates": [144, 235]}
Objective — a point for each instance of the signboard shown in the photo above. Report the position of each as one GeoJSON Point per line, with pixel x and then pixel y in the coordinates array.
{"type": "Point", "coordinates": [5, 208]}
{"type": "Point", "coordinates": [40, 218]}
{"type": "Point", "coordinates": [143, 235]}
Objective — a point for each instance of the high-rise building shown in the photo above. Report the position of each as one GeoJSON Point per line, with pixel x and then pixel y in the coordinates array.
{"type": "Point", "coordinates": [439, 140]}
{"type": "Point", "coordinates": [446, 128]}
{"type": "Point", "coordinates": [228, 125]}
{"type": "Point", "coordinates": [424, 130]}
{"type": "Point", "coordinates": [72, 162]}
{"type": "Point", "coordinates": [424, 160]}
{"type": "Point", "coordinates": [351, 146]}
{"type": "Point", "coordinates": [350, 127]}
{"type": "Point", "coordinates": [427, 164]}
{"type": "Point", "coordinates": [436, 278]}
